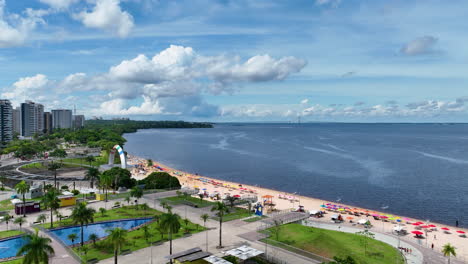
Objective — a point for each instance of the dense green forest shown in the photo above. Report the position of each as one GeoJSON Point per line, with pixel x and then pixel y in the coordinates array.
{"type": "Point", "coordinates": [96, 133]}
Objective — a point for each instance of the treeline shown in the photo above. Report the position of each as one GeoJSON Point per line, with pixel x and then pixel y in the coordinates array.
{"type": "Point", "coordinates": [96, 133]}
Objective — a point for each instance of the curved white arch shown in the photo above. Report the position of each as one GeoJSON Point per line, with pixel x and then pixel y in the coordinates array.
{"type": "Point", "coordinates": [123, 159]}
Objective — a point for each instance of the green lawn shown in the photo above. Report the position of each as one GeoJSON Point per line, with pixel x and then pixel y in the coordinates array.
{"type": "Point", "coordinates": [38, 165]}
{"type": "Point", "coordinates": [10, 233]}
{"type": "Point", "coordinates": [111, 214]}
{"type": "Point", "coordinates": [189, 200]}
{"type": "Point", "coordinates": [99, 161]}
{"type": "Point", "coordinates": [328, 243]}
{"type": "Point", "coordinates": [254, 219]}
{"type": "Point", "coordinates": [15, 261]}
{"type": "Point", "coordinates": [234, 213]}
{"type": "Point", "coordinates": [6, 205]}
{"type": "Point", "coordinates": [136, 240]}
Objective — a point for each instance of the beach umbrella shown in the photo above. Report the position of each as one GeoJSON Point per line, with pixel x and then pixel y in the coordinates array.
{"type": "Point", "coordinates": [237, 196]}
{"type": "Point", "coordinates": [417, 232]}
{"type": "Point", "coordinates": [398, 220]}
{"type": "Point", "coordinates": [461, 232]}
{"type": "Point", "coordinates": [323, 206]}
{"type": "Point", "coordinates": [384, 216]}
{"type": "Point", "coordinates": [431, 226]}
{"type": "Point", "coordinates": [415, 224]}
{"type": "Point", "coordinates": [445, 228]}
{"type": "Point", "coordinates": [425, 226]}
{"type": "Point", "coordinates": [350, 217]}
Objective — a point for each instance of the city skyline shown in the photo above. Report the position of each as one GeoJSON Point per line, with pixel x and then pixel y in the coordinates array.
{"type": "Point", "coordinates": [322, 60]}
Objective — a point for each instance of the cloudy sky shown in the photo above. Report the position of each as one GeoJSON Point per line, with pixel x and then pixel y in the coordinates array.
{"type": "Point", "coordinates": [239, 60]}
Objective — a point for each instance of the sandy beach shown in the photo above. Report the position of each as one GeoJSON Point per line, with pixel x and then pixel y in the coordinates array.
{"type": "Point", "coordinates": [288, 201]}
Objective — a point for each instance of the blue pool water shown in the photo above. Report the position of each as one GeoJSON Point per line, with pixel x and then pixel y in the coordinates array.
{"type": "Point", "coordinates": [100, 229]}
{"type": "Point", "coordinates": [8, 248]}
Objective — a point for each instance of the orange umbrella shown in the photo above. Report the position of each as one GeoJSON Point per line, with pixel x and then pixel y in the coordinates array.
{"type": "Point", "coordinates": [350, 217]}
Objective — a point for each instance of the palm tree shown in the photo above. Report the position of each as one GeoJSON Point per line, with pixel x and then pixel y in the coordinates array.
{"type": "Point", "coordinates": [90, 160]}
{"type": "Point", "coordinates": [41, 218]}
{"type": "Point", "coordinates": [72, 237]}
{"type": "Point", "coordinates": [22, 188]}
{"type": "Point", "coordinates": [117, 237]}
{"type": "Point", "coordinates": [53, 166]}
{"type": "Point", "coordinates": [51, 201]}
{"type": "Point", "coordinates": [102, 211]}
{"type": "Point", "coordinates": [163, 204]}
{"type": "Point", "coordinates": [449, 250]}
{"type": "Point", "coordinates": [37, 250]}
{"type": "Point", "coordinates": [145, 207]}
{"type": "Point", "coordinates": [231, 200]}
{"type": "Point", "coordinates": [146, 232]}
{"type": "Point", "coordinates": [106, 182]}
{"type": "Point", "coordinates": [20, 221]}
{"type": "Point", "coordinates": [7, 218]}
{"type": "Point", "coordinates": [93, 237]}
{"type": "Point", "coordinates": [82, 215]}
{"type": "Point", "coordinates": [205, 217]}
{"type": "Point", "coordinates": [92, 174]}
{"type": "Point", "coordinates": [171, 224]}
{"type": "Point", "coordinates": [221, 210]}
{"type": "Point", "coordinates": [137, 193]}
{"type": "Point", "coordinates": [127, 199]}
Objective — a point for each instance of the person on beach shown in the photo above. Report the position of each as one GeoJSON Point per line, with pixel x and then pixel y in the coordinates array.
{"type": "Point", "coordinates": [432, 246]}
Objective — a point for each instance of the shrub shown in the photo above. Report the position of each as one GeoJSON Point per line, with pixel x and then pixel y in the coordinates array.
{"type": "Point", "coordinates": [64, 187]}
{"type": "Point", "coordinates": [160, 180]}
{"type": "Point", "coordinates": [75, 192]}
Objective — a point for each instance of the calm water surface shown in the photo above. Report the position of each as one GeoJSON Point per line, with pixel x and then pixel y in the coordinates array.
{"type": "Point", "coordinates": [417, 170]}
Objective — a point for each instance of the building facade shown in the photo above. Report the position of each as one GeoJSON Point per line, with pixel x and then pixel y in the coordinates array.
{"type": "Point", "coordinates": [47, 122]}
{"type": "Point", "coordinates": [6, 121]}
{"type": "Point", "coordinates": [78, 121]}
{"type": "Point", "coordinates": [17, 120]}
{"type": "Point", "coordinates": [31, 119]}
{"type": "Point", "coordinates": [61, 118]}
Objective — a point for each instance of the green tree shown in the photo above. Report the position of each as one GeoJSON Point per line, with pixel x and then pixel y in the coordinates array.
{"type": "Point", "coordinates": [72, 238]}
{"type": "Point", "coordinates": [23, 188]}
{"type": "Point", "coordinates": [231, 200]}
{"type": "Point", "coordinates": [339, 260]}
{"type": "Point", "coordinates": [3, 179]}
{"type": "Point", "coordinates": [92, 174]}
{"type": "Point", "coordinates": [37, 249]}
{"type": "Point", "coordinates": [117, 237]}
{"type": "Point", "coordinates": [146, 232]}
{"type": "Point", "coordinates": [93, 237]}
{"type": "Point", "coordinates": [58, 153]}
{"type": "Point", "coordinates": [137, 193]}
{"type": "Point", "coordinates": [164, 204]}
{"type": "Point", "coordinates": [20, 221]}
{"type": "Point", "coordinates": [120, 178]}
{"type": "Point", "coordinates": [366, 236]}
{"type": "Point", "coordinates": [106, 182]}
{"type": "Point", "coordinates": [449, 250]}
{"type": "Point", "coordinates": [145, 207]}
{"type": "Point", "coordinates": [53, 166]}
{"type": "Point", "coordinates": [82, 215]}
{"type": "Point", "coordinates": [150, 162]}
{"type": "Point", "coordinates": [41, 218]}
{"type": "Point", "coordinates": [160, 180]}
{"type": "Point", "coordinates": [102, 211]}
{"type": "Point", "coordinates": [51, 201]}
{"type": "Point", "coordinates": [171, 224]}
{"type": "Point", "coordinates": [90, 160]}
{"type": "Point", "coordinates": [127, 199]}
{"type": "Point", "coordinates": [205, 217]}
{"type": "Point", "coordinates": [221, 209]}
{"type": "Point", "coordinates": [6, 219]}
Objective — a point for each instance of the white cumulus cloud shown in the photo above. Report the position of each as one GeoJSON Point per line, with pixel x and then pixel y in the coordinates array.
{"type": "Point", "coordinates": [107, 15]}
{"type": "Point", "coordinates": [418, 46]}
{"type": "Point", "coordinates": [59, 4]}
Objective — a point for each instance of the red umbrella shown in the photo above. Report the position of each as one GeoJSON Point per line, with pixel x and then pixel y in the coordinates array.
{"type": "Point", "coordinates": [383, 216]}
{"type": "Point", "coordinates": [432, 226]}
{"type": "Point", "coordinates": [419, 223]}
{"type": "Point", "coordinates": [237, 196]}
{"type": "Point", "coordinates": [461, 232]}
{"type": "Point", "coordinates": [446, 229]}
{"type": "Point", "coordinates": [417, 232]}
{"type": "Point", "coordinates": [424, 226]}
{"type": "Point", "coordinates": [415, 224]}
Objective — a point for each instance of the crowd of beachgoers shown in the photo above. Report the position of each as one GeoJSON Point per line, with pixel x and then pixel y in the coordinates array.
{"type": "Point", "coordinates": [426, 234]}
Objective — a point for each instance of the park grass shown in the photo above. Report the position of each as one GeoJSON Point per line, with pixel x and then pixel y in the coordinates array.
{"type": "Point", "coordinates": [6, 205]}
{"type": "Point", "coordinates": [10, 233]}
{"type": "Point", "coordinates": [125, 212]}
{"type": "Point", "coordinates": [135, 240]}
{"type": "Point", "coordinates": [254, 219]}
{"type": "Point", "coordinates": [39, 165]}
{"type": "Point", "coordinates": [329, 243]}
{"type": "Point", "coordinates": [14, 261]}
{"type": "Point", "coordinates": [189, 200]}
{"type": "Point", "coordinates": [234, 213]}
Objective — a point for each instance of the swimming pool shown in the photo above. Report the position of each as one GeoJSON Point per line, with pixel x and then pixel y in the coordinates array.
{"type": "Point", "coordinates": [98, 228]}
{"type": "Point", "coordinates": [9, 247]}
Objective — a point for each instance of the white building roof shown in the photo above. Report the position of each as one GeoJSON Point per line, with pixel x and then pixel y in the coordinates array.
{"type": "Point", "coordinates": [244, 252]}
{"type": "Point", "coordinates": [216, 260]}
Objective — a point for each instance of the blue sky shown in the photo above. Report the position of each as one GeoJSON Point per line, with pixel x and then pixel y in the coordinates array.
{"type": "Point", "coordinates": [323, 60]}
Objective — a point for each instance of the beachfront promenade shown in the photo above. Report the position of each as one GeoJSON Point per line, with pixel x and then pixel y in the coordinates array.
{"type": "Point", "coordinates": [235, 233]}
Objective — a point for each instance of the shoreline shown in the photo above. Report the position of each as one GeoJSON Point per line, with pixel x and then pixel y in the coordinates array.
{"type": "Point", "coordinates": [310, 203]}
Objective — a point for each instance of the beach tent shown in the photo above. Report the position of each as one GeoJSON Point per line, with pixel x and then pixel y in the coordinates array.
{"type": "Point", "coordinates": [362, 221]}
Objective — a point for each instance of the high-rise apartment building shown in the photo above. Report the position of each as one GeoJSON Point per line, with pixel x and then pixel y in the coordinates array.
{"type": "Point", "coordinates": [62, 118]}
{"type": "Point", "coordinates": [28, 119]}
{"type": "Point", "coordinates": [39, 111]}
{"type": "Point", "coordinates": [47, 122]}
{"type": "Point", "coordinates": [6, 121]}
{"type": "Point", "coordinates": [17, 120]}
{"type": "Point", "coordinates": [78, 121]}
